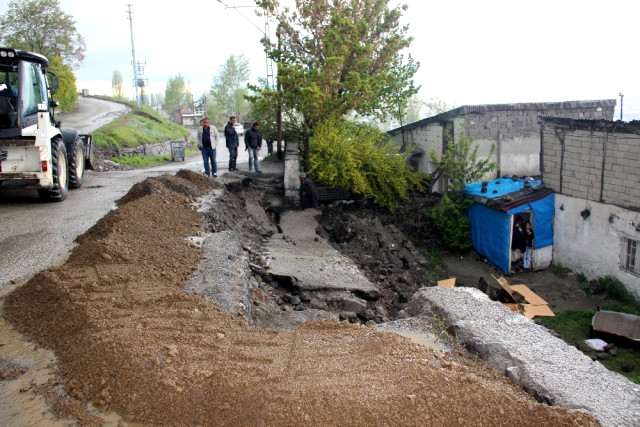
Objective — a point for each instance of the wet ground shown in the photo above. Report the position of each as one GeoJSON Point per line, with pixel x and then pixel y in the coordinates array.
{"type": "Point", "coordinates": [129, 339]}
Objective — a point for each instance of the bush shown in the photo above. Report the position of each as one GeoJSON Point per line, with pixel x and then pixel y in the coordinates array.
{"type": "Point", "coordinates": [361, 158]}
{"type": "Point", "coordinates": [617, 290]}
{"type": "Point", "coordinates": [451, 221]}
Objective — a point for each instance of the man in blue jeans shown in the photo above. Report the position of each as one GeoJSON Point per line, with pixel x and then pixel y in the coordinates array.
{"type": "Point", "coordinates": [253, 143]}
{"type": "Point", "coordinates": [207, 139]}
{"type": "Point", "coordinates": [232, 140]}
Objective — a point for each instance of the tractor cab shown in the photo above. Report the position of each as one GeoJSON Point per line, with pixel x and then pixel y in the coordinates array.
{"type": "Point", "coordinates": [24, 91]}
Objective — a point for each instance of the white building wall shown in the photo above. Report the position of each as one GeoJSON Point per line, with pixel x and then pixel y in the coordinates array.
{"type": "Point", "coordinates": [593, 246]}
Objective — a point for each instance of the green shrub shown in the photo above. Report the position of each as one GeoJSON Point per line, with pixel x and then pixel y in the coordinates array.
{"type": "Point", "coordinates": [361, 158]}
{"type": "Point", "coordinates": [617, 290]}
{"type": "Point", "coordinates": [561, 271]}
{"type": "Point", "coordinates": [451, 221]}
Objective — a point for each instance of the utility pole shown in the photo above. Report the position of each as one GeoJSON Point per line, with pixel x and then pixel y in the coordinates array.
{"type": "Point", "coordinates": [621, 97]}
{"type": "Point", "coordinates": [133, 55]}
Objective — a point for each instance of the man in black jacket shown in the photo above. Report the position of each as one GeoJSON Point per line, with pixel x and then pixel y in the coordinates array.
{"type": "Point", "coordinates": [232, 140]}
{"type": "Point", "coordinates": [253, 143]}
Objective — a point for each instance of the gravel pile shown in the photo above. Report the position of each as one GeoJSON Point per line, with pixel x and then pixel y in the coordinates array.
{"type": "Point", "coordinates": [544, 365]}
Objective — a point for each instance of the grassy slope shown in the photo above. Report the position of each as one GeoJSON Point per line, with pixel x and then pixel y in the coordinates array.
{"type": "Point", "coordinates": [141, 126]}
{"type": "Point", "coordinates": [138, 127]}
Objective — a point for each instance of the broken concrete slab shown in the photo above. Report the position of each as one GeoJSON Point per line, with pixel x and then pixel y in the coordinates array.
{"type": "Point", "coordinates": [224, 274]}
{"type": "Point", "coordinates": [300, 253]}
{"type": "Point", "coordinates": [550, 369]}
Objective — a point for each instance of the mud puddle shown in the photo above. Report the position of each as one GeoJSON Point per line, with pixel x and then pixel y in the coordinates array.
{"type": "Point", "coordinates": [30, 391]}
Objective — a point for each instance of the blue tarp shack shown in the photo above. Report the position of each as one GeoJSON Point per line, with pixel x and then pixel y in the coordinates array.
{"type": "Point", "coordinates": [496, 205]}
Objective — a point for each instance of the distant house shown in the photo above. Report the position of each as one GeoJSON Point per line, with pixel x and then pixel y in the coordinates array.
{"type": "Point", "coordinates": [594, 168]}
{"type": "Point", "coordinates": [513, 128]}
{"type": "Point", "coordinates": [191, 114]}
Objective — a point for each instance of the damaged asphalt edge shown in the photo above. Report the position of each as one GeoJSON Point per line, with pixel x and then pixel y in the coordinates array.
{"type": "Point", "coordinates": [545, 366]}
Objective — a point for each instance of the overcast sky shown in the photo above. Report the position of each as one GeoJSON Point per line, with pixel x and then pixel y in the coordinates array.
{"type": "Point", "coordinates": [471, 52]}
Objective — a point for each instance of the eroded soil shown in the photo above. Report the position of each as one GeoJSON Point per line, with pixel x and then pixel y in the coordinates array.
{"type": "Point", "coordinates": [129, 339]}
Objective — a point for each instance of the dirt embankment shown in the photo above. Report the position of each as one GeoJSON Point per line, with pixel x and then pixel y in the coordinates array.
{"type": "Point", "coordinates": [129, 339]}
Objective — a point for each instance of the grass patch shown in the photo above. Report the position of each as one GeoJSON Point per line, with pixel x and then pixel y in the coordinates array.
{"type": "Point", "coordinates": [432, 255]}
{"type": "Point", "coordinates": [273, 157]}
{"type": "Point", "coordinates": [574, 327]}
{"type": "Point", "coordinates": [561, 271]}
{"type": "Point", "coordinates": [142, 161]}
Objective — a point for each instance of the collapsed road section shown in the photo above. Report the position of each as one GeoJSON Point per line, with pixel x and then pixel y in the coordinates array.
{"type": "Point", "coordinates": [131, 339]}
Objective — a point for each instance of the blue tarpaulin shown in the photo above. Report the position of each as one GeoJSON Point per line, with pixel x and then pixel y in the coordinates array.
{"type": "Point", "coordinates": [491, 220]}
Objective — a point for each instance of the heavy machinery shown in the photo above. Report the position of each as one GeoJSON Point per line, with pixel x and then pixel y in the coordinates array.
{"type": "Point", "coordinates": [33, 148]}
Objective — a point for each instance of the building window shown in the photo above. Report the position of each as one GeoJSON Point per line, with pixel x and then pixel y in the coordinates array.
{"type": "Point", "coordinates": [631, 255]}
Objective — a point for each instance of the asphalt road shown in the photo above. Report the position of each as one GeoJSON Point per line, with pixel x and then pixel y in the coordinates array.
{"type": "Point", "coordinates": [35, 235]}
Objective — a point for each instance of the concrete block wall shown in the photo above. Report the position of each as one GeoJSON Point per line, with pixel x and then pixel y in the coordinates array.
{"type": "Point", "coordinates": [592, 164]}
{"type": "Point", "coordinates": [513, 128]}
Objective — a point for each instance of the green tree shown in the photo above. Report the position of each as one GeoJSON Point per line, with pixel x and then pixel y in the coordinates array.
{"type": "Point", "coordinates": [175, 94]}
{"type": "Point", "coordinates": [41, 26]}
{"type": "Point", "coordinates": [263, 109]}
{"type": "Point", "coordinates": [117, 85]}
{"type": "Point", "coordinates": [361, 158]}
{"type": "Point", "coordinates": [460, 163]}
{"type": "Point", "coordinates": [436, 106]}
{"type": "Point", "coordinates": [336, 57]}
{"type": "Point", "coordinates": [229, 88]}
{"type": "Point", "coordinates": [451, 219]}
{"type": "Point", "coordinates": [66, 94]}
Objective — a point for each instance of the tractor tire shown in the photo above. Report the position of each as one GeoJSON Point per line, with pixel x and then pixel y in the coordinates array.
{"type": "Point", "coordinates": [60, 171]}
{"type": "Point", "coordinates": [75, 154]}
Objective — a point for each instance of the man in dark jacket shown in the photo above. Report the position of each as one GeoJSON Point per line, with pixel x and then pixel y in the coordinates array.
{"type": "Point", "coordinates": [253, 143]}
{"type": "Point", "coordinates": [231, 137]}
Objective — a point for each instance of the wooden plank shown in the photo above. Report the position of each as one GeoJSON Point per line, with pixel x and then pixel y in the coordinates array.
{"type": "Point", "coordinates": [447, 283]}
{"type": "Point", "coordinates": [529, 296]}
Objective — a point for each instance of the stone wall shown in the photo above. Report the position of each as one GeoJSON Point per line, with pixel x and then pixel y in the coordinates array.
{"type": "Point", "coordinates": [158, 149]}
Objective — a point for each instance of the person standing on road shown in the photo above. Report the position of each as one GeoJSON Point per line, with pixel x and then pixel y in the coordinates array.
{"type": "Point", "coordinates": [231, 136]}
{"type": "Point", "coordinates": [528, 249]}
{"type": "Point", "coordinates": [253, 143]}
{"type": "Point", "coordinates": [310, 191]}
{"type": "Point", "coordinates": [207, 138]}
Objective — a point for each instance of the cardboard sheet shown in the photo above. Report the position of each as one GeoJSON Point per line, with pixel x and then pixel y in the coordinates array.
{"type": "Point", "coordinates": [504, 284]}
{"type": "Point", "coordinates": [530, 296]}
{"type": "Point", "coordinates": [532, 311]}
{"type": "Point", "coordinates": [533, 304]}
{"type": "Point", "coordinates": [447, 283]}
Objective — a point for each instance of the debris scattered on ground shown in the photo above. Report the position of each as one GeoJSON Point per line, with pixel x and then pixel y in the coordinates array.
{"type": "Point", "coordinates": [129, 338]}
